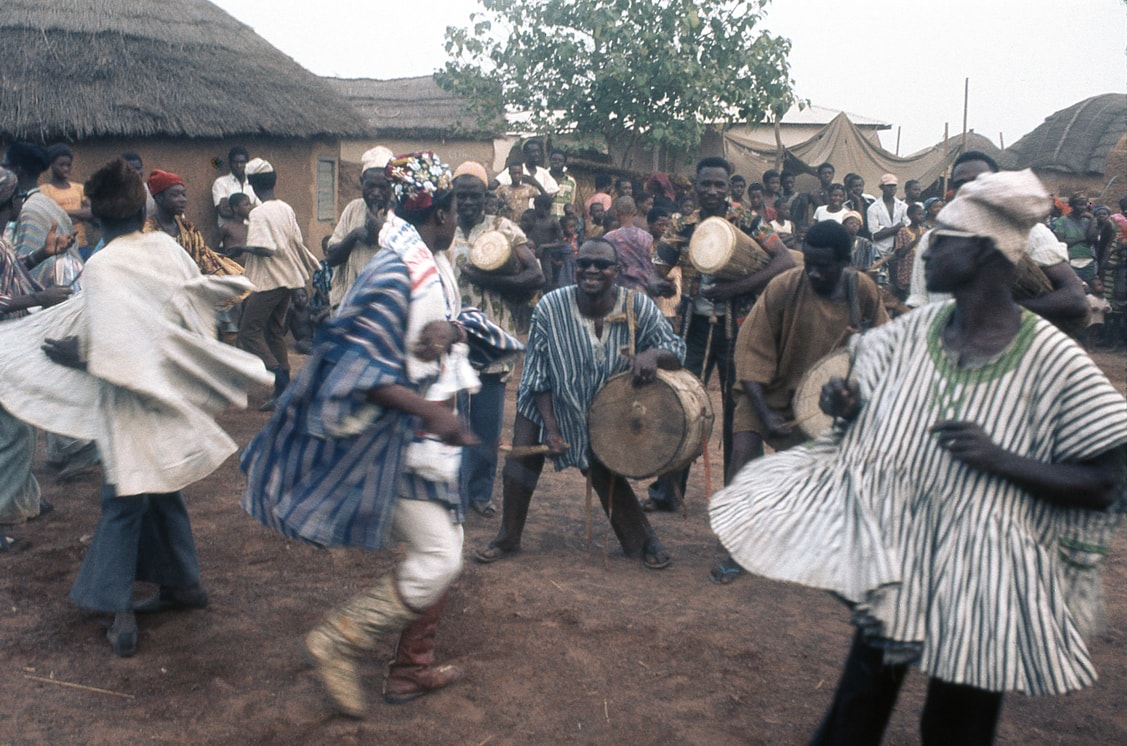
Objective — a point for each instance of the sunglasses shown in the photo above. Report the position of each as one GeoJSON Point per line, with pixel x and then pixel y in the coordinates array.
{"type": "Point", "coordinates": [596, 263]}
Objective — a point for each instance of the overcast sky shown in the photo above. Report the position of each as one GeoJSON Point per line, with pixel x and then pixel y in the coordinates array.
{"type": "Point", "coordinates": [900, 62]}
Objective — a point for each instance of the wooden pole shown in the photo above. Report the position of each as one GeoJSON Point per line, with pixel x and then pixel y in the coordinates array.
{"type": "Point", "coordinates": [966, 100]}
{"type": "Point", "coordinates": [898, 140]}
{"type": "Point", "coordinates": [1002, 141]}
{"type": "Point", "coordinates": [778, 145]}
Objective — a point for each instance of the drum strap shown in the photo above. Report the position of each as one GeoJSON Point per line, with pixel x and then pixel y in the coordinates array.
{"type": "Point", "coordinates": [631, 322]}
{"type": "Point", "coordinates": [855, 319]}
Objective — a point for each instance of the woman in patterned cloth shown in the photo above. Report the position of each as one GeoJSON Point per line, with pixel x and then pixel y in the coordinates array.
{"type": "Point", "coordinates": [964, 506]}
{"type": "Point", "coordinates": [341, 462]}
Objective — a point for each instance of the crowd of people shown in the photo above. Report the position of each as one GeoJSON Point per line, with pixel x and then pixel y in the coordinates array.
{"type": "Point", "coordinates": [965, 407]}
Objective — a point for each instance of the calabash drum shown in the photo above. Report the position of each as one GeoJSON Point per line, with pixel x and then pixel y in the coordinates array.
{"type": "Point", "coordinates": [650, 430]}
{"type": "Point", "coordinates": [1029, 280]}
{"type": "Point", "coordinates": [808, 415]}
{"type": "Point", "coordinates": [721, 249]}
{"type": "Point", "coordinates": [491, 252]}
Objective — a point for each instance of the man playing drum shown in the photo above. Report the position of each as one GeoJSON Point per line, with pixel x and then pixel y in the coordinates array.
{"type": "Point", "coordinates": [712, 308]}
{"type": "Point", "coordinates": [495, 294]}
{"type": "Point", "coordinates": [577, 341]}
{"type": "Point", "coordinates": [802, 315]}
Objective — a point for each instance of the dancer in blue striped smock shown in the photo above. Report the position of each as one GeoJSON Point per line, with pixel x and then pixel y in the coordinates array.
{"type": "Point", "coordinates": [341, 463]}
{"type": "Point", "coordinates": [573, 348]}
{"type": "Point", "coordinates": [964, 505]}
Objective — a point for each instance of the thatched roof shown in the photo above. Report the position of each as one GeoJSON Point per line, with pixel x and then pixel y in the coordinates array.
{"type": "Point", "coordinates": [1075, 140]}
{"type": "Point", "coordinates": [82, 69]}
{"type": "Point", "coordinates": [410, 108]}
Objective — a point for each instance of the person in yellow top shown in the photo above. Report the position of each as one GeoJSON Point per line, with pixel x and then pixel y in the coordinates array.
{"type": "Point", "coordinates": [68, 195]}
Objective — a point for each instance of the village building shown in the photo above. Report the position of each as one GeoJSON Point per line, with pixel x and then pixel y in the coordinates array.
{"type": "Point", "coordinates": [180, 86]}
{"type": "Point", "coordinates": [1081, 148]}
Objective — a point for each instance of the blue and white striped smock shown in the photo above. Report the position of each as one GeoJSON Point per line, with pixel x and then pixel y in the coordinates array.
{"type": "Point", "coordinates": [567, 358]}
{"type": "Point", "coordinates": [328, 467]}
{"type": "Point", "coordinates": [970, 571]}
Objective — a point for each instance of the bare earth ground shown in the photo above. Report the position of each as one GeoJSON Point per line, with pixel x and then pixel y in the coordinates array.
{"type": "Point", "coordinates": [559, 645]}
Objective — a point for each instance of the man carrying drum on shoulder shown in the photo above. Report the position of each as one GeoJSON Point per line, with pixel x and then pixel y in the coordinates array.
{"type": "Point", "coordinates": [803, 315]}
{"type": "Point", "coordinates": [713, 308]}
{"type": "Point", "coordinates": [495, 294]}
{"type": "Point", "coordinates": [581, 336]}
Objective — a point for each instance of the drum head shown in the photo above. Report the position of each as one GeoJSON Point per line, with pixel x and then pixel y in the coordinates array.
{"type": "Point", "coordinates": [809, 416]}
{"type": "Point", "coordinates": [712, 245]}
{"type": "Point", "coordinates": [490, 251]}
{"type": "Point", "coordinates": [640, 431]}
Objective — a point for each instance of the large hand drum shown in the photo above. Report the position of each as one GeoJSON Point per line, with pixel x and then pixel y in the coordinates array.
{"type": "Point", "coordinates": [653, 429]}
{"type": "Point", "coordinates": [808, 414]}
{"type": "Point", "coordinates": [721, 249]}
{"type": "Point", "coordinates": [492, 252]}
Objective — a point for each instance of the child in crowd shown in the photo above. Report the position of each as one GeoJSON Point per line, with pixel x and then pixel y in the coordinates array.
{"type": "Point", "coordinates": [548, 236]}
{"type": "Point", "coordinates": [566, 270]}
{"type": "Point", "coordinates": [783, 226]}
{"type": "Point", "coordinates": [234, 232]}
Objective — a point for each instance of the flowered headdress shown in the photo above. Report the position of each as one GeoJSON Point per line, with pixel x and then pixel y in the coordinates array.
{"type": "Point", "coordinates": [416, 179]}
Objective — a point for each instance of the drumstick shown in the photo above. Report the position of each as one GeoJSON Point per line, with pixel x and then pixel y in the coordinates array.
{"type": "Point", "coordinates": [522, 451]}
{"type": "Point", "coordinates": [707, 470]}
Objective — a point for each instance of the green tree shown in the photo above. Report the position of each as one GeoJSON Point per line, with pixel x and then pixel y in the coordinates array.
{"type": "Point", "coordinates": [652, 73]}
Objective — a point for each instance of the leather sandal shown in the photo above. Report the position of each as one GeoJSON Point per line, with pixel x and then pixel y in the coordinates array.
{"type": "Point", "coordinates": [11, 545]}
{"type": "Point", "coordinates": [492, 553]}
{"type": "Point", "coordinates": [484, 508]}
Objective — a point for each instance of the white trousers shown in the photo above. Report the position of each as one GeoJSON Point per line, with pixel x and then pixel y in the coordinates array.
{"type": "Point", "coordinates": [434, 551]}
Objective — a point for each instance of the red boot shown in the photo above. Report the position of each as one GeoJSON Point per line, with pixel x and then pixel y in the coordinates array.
{"type": "Point", "coordinates": [412, 673]}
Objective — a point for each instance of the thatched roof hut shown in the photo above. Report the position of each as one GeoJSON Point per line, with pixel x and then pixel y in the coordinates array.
{"type": "Point", "coordinates": [1076, 140]}
{"type": "Point", "coordinates": [88, 69]}
{"type": "Point", "coordinates": [413, 109]}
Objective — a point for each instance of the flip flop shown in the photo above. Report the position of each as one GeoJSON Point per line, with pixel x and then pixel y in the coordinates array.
{"type": "Point", "coordinates": [655, 556]}
{"type": "Point", "coordinates": [725, 571]}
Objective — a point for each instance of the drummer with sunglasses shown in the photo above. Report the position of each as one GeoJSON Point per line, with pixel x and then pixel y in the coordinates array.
{"type": "Point", "coordinates": [576, 344]}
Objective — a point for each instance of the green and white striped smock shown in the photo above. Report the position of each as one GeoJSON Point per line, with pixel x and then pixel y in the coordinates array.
{"type": "Point", "coordinates": [968, 570]}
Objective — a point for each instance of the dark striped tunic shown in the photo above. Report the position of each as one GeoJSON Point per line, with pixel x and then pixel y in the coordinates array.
{"type": "Point", "coordinates": [566, 357]}
{"type": "Point", "coordinates": [967, 570]}
{"type": "Point", "coordinates": [328, 467]}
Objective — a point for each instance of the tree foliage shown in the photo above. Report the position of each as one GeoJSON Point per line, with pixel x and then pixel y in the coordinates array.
{"type": "Point", "coordinates": [651, 72]}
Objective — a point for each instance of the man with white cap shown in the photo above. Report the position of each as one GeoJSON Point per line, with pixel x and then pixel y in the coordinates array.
{"type": "Point", "coordinates": [233, 182]}
{"type": "Point", "coordinates": [278, 264]}
{"type": "Point", "coordinates": [963, 502]}
{"type": "Point", "coordinates": [355, 240]}
{"type": "Point", "coordinates": [496, 295]}
{"type": "Point", "coordinates": [887, 215]}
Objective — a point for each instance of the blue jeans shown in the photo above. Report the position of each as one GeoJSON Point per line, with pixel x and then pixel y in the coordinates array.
{"type": "Point", "coordinates": [484, 411]}
{"type": "Point", "coordinates": [145, 538]}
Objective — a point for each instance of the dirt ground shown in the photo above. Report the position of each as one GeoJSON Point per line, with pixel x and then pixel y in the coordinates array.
{"type": "Point", "coordinates": [561, 644]}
